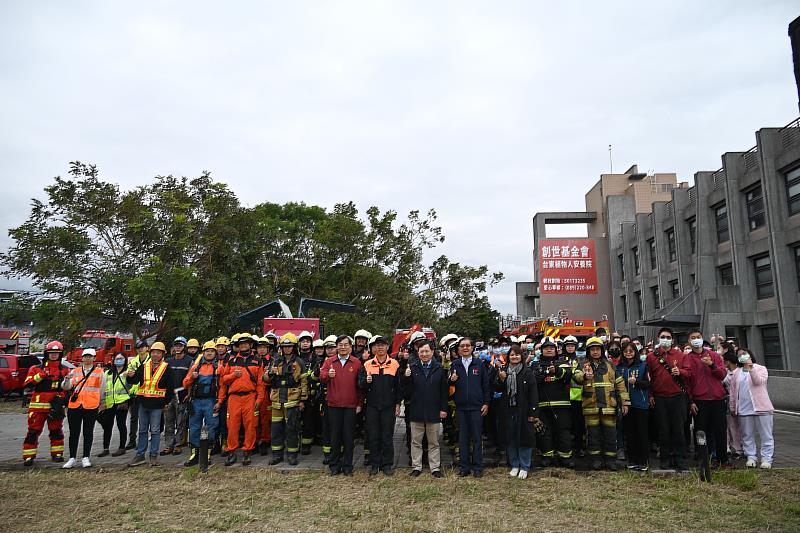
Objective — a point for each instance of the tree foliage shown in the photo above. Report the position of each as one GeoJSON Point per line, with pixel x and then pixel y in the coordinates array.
{"type": "Point", "coordinates": [183, 255]}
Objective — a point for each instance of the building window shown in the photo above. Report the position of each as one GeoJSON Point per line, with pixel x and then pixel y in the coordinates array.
{"type": "Point", "coordinates": [755, 207]}
{"type": "Point", "coordinates": [638, 296]}
{"type": "Point", "coordinates": [624, 307]}
{"type": "Point", "coordinates": [621, 267]}
{"type": "Point", "coordinates": [771, 347]}
{"type": "Point", "coordinates": [797, 265]}
{"type": "Point", "coordinates": [671, 247]}
{"type": "Point", "coordinates": [726, 274]}
{"type": "Point", "coordinates": [763, 275]}
{"type": "Point", "coordinates": [692, 223]}
{"type": "Point", "coordinates": [635, 251]}
{"type": "Point", "coordinates": [652, 245]}
{"type": "Point", "coordinates": [793, 190]}
{"type": "Point", "coordinates": [656, 299]}
{"type": "Point", "coordinates": [721, 216]}
{"type": "Point", "coordinates": [674, 286]}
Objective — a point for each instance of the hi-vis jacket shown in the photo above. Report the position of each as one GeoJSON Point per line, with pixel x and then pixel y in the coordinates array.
{"type": "Point", "coordinates": [606, 390]}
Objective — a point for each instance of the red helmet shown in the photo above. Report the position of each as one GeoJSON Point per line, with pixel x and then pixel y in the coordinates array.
{"type": "Point", "coordinates": [54, 346]}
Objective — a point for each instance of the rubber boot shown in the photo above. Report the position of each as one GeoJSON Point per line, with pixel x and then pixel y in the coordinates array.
{"type": "Point", "coordinates": [230, 459]}
{"type": "Point", "coordinates": [246, 458]}
{"type": "Point", "coordinates": [305, 449]}
{"type": "Point", "coordinates": [194, 458]}
{"type": "Point", "coordinates": [292, 459]}
{"type": "Point", "coordinates": [326, 458]}
{"type": "Point", "coordinates": [263, 448]}
{"type": "Point", "coordinates": [277, 458]}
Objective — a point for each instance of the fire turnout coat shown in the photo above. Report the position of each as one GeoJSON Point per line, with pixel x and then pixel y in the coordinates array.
{"type": "Point", "coordinates": [606, 390]}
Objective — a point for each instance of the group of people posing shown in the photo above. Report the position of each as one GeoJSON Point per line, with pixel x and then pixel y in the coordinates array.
{"type": "Point", "coordinates": [609, 398]}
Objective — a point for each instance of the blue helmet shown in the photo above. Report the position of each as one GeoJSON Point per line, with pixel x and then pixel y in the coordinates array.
{"type": "Point", "coordinates": [181, 340]}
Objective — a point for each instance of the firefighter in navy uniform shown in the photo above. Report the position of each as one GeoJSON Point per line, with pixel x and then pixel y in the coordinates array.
{"type": "Point", "coordinates": [310, 415]}
{"type": "Point", "coordinates": [553, 377]}
{"type": "Point", "coordinates": [289, 392]}
{"type": "Point", "coordinates": [47, 404]}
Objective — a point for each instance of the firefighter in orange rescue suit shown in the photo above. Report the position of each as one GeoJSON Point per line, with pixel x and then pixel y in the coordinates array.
{"type": "Point", "coordinates": [240, 383]}
{"type": "Point", "coordinates": [47, 404]}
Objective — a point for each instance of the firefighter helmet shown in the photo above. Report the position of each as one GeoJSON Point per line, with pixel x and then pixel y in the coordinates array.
{"type": "Point", "coordinates": [417, 336]}
{"type": "Point", "coordinates": [305, 335]}
{"type": "Point", "coordinates": [262, 340]}
{"type": "Point", "coordinates": [235, 338]}
{"type": "Point", "coordinates": [548, 341]}
{"type": "Point", "coordinates": [54, 346]}
{"type": "Point", "coordinates": [362, 333]}
{"type": "Point", "coordinates": [594, 341]}
{"type": "Point", "coordinates": [571, 339]}
{"type": "Point", "coordinates": [245, 337]}
{"type": "Point", "coordinates": [330, 340]}
{"type": "Point", "coordinates": [209, 345]}
{"type": "Point", "coordinates": [225, 341]}
{"type": "Point", "coordinates": [158, 346]}
{"type": "Point", "coordinates": [447, 339]}
{"type": "Point", "coordinates": [193, 343]}
{"type": "Point", "coordinates": [288, 339]}
{"type": "Point", "coordinates": [319, 343]}
{"type": "Point", "coordinates": [180, 340]}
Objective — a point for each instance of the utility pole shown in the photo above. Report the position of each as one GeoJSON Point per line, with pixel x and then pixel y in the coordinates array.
{"type": "Point", "coordinates": [610, 161]}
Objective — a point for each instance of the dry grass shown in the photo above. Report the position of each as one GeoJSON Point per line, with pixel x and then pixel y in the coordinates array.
{"type": "Point", "coordinates": [239, 499]}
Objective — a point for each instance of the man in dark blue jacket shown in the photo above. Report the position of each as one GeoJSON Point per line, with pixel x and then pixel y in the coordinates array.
{"type": "Point", "coordinates": [470, 377]}
{"type": "Point", "coordinates": [425, 387]}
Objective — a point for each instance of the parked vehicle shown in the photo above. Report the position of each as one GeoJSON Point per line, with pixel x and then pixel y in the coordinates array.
{"type": "Point", "coordinates": [13, 371]}
{"type": "Point", "coordinates": [106, 345]}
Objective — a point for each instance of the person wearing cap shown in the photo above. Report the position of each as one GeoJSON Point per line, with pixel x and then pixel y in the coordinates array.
{"type": "Point", "coordinates": [242, 386]}
{"type": "Point", "coordinates": [379, 378]}
{"type": "Point", "coordinates": [86, 386]}
{"type": "Point", "coordinates": [750, 402]}
{"type": "Point", "coordinates": [46, 405]}
{"type": "Point", "coordinates": [288, 385]}
{"type": "Point", "coordinates": [604, 392]}
{"type": "Point", "coordinates": [309, 418]}
{"type": "Point", "coordinates": [155, 391]}
{"type": "Point", "coordinates": [470, 378]}
{"type": "Point", "coordinates": [176, 416]}
{"type": "Point", "coordinates": [322, 399]}
{"type": "Point", "coordinates": [117, 405]}
{"type": "Point", "coordinates": [264, 438]}
{"type": "Point", "coordinates": [553, 376]}
{"type": "Point", "coordinates": [202, 382]}
{"type": "Point", "coordinates": [345, 400]}
{"type": "Point", "coordinates": [142, 355]}
{"type": "Point", "coordinates": [570, 353]}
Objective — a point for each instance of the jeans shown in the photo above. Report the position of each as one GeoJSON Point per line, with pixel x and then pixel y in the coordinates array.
{"type": "Point", "coordinates": [149, 420]}
{"type": "Point", "coordinates": [203, 414]}
{"type": "Point", "coordinates": [518, 456]}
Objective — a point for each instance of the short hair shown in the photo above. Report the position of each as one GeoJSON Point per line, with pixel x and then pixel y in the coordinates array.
{"type": "Point", "coordinates": [465, 338]}
{"type": "Point", "coordinates": [695, 330]}
{"type": "Point", "coordinates": [666, 330]}
{"type": "Point", "coordinates": [517, 350]}
{"type": "Point", "coordinates": [426, 345]}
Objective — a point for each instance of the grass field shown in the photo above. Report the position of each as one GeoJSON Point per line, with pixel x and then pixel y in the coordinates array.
{"type": "Point", "coordinates": [239, 499]}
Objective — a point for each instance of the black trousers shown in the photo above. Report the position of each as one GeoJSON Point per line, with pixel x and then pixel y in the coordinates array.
{"type": "Point", "coordinates": [343, 427]}
{"type": "Point", "coordinates": [311, 422]}
{"type": "Point", "coordinates": [711, 418]}
{"type": "Point", "coordinates": [670, 417]}
{"type": "Point", "coordinates": [558, 432]}
{"type": "Point", "coordinates": [637, 437]}
{"type": "Point", "coordinates": [81, 419]}
{"type": "Point", "coordinates": [133, 407]}
{"type": "Point", "coordinates": [380, 428]}
{"type": "Point", "coordinates": [107, 418]}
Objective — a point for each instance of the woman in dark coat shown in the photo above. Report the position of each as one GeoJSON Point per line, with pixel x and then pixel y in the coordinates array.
{"type": "Point", "coordinates": [518, 411]}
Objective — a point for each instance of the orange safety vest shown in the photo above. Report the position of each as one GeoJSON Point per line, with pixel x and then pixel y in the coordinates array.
{"type": "Point", "coordinates": [86, 395]}
{"type": "Point", "coordinates": [149, 387]}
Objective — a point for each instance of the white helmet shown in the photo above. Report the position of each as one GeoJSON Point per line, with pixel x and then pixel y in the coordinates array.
{"type": "Point", "coordinates": [571, 339]}
{"type": "Point", "coordinates": [330, 340]}
{"type": "Point", "coordinates": [305, 335]}
{"type": "Point", "coordinates": [417, 336]}
{"type": "Point", "coordinates": [447, 339]}
{"type": "Point", "coordinates": [319, 343]}
{"type": "Point", "coordinates": [362, 333]}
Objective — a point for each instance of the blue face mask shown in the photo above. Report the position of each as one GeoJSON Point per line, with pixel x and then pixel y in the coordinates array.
{"type": "Point", "coordinates": [496, 350]}
{"type": "Point", "coordinates": [119, 362]}
{"type": "Point", "coordinates": [504, 349]}
{"type": "Point", "coordinates": [538, 353]}
{"type": "Point", "coordinates": [530, 346]}
{"type": "Point", "coordinates": [643, 357]}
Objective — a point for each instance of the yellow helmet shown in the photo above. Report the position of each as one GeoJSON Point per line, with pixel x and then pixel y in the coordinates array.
{"type": "Point", "coordinates": [209, 345]}
{"type": "Point", "coordinates": [288, 339]}
{"type": "Point", "coordinates": [235, 338]}
{"type": "Point", "coordinates": [245, 337]}
{"type": "Point", "coordinates": [193, 343]}
{"type": "Point", "coordinates": [319, 343]}
{"type": "Point", "coordinates": [223, 340]}
{"type": "Point", "coordinates": [594, 341]}
{"type": "Point", "coordinates": [330, 340]}
{"type": "Point", "coordinates": [158, 346]}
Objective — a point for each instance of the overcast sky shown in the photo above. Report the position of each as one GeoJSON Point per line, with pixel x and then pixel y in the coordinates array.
{"type": "Point", "coordinates": [486, 111]}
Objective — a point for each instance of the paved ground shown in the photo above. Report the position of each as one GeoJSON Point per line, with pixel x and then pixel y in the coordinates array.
{"type": "Point", "coordinates": [13, 428]}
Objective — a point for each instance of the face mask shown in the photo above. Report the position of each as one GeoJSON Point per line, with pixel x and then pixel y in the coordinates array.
{"type": "Point", "coordinates": [643, 357]}
{"type": "Point", "coordinates": [614, 351]}
{"type": "Point", "coordinates": [496, 351]}
{"type": "Point", "coordinates": [530, 346]}
{"type": "Point", "coordinates": [696, 343]}
{"type": "Point", "coordinates": [538, 353]}
{"type": "Point", "coordinates": [603, 338]}
{"type": "Point", "coordinates": [744, 358]}
{"type": "Point", "coordinates": [119, 362]}
{"type": "Point", "coordinates": [638, 346]}
{"type": "Point", "coordinates": [666, 343]}
{"type": "Point", "coordinates": [504, 349]}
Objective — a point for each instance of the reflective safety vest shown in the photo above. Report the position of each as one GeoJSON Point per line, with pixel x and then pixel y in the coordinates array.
{"type": "Point", "coordinates": [575, 388]}
{"type": "Point", "coordinates": [86, 390]}
{"type": "Point", "coordinates": [135, 363]}
{"type": "Point", "coordinates": [116, 392]}
{"type": "Point", "coordinates": [149, 387]}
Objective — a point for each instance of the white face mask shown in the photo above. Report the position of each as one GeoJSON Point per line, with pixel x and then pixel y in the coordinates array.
{"type": "Point", "coordinates": [666, 343]}
{"type": "Point", "coordinates": [744, 358]}
{"type": "Point", "coordinates": [696, 343]}
{"type": "Point", "coordinates": [603, 338]}
{"type": "Point", "coordinates": [643, 357]}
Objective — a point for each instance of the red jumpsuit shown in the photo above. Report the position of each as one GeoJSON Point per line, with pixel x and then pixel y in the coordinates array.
{"type": "Point", "coordinates": [245, 395]}
{"type": "Point", "coordinates": [46, 383]}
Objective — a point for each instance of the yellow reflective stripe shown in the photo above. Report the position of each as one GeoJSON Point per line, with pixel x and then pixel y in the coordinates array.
{"type": "Point", "coordinates": [29, 451]}
{"type": "Point", "coordinates": [57, 448]}
{"type": "Point", "coordinates": [39, 405]}
{"type": "Point", "coordinates": [37, 377]}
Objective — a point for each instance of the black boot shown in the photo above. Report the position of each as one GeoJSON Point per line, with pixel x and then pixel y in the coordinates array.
{"type": "Point", "coordinates": [597, 464]}
{"type": "Point", "coordinates": [263, 448]}
{"type": "Point", "coordinates": [230, 459]}
{"type": "Point", "coordinates": [246, 458]}
{"type": "Point", "coordinates": [194, 458]}
{"type": "Point", "coordinates": [131, 445]}
{"type": "Point", "coordinates": [277, 458]}
{"type": "Point", "coordinates": [292, 459]}
{"type": "Point", "coordinates": [326, 458]}
{"type": "Point", "coordinates": [305, 449]}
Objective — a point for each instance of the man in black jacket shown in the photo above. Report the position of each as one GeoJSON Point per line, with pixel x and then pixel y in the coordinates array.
{"type": "Point", "coordinates": [425, 387]}
{"type": "Point", "coordinates": [470, 377]}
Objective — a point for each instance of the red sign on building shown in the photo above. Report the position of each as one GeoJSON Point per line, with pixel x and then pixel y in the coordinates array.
{"type": "Point", "coordinates": [567, 266]}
